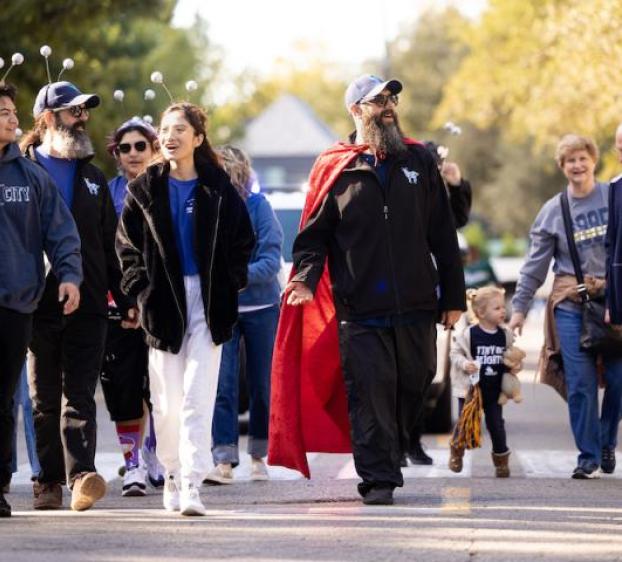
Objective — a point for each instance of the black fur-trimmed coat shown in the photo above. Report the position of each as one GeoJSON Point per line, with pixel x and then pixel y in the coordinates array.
{"type": "Point", "coordinates": [150, 261]}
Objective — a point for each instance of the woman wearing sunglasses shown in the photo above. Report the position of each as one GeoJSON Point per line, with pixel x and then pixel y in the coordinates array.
{"type": "Point", "coordinates": [124, 374]}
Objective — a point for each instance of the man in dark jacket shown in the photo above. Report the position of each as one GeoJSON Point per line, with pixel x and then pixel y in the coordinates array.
{"type": "Point", "coordinates": [67, 352]}
{"type": "Point", "coordinates": [33, 220]}
{"type": "Point", "coordinates": [384, 218]}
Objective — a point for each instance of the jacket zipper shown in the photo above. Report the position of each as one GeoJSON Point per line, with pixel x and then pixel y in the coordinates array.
{"type": "Point", "coordinates": [211, 264]}
{"type": "Point", "coordinates": [388, 233]}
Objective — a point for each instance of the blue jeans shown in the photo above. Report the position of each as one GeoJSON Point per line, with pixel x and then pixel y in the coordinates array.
{"type": "Point", "coordinates": [591, 434]}
{"type": "Point", "coordinates": [258, 329]}
{"type": "Point", "coordinates": [22, 399]}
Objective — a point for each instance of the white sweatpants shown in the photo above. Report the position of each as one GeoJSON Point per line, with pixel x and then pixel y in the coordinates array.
{"type": "Point", "coordinates": [183, 392]}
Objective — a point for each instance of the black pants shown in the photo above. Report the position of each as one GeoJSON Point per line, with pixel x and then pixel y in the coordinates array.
{"type": "Point", "coordinates": [66, 355]}
{"type": "Point", "coordinates": [387, 372]}
{"type": "Point", "coordinates": [495, 424]}
{"type": "Point", "coordinates": [124, 376]}
{"type": "Point", "coordinates": [15, 330]}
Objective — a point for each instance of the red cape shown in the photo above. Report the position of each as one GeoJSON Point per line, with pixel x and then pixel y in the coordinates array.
{"type": "Point", "coordinates": [308, 407]}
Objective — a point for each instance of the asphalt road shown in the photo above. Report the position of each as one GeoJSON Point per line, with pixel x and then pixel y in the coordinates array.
{"type": "Point", "coordinates": [537, 514]}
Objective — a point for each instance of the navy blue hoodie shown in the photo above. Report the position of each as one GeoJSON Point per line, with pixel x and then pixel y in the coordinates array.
{"type": "Point", "coordinates": [33, 219]}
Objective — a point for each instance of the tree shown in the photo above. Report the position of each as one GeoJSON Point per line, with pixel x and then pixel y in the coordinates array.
{"type": "Point", "coordinates": [116, 44]}
{"type": "Point", "coordinates": [540, 68]}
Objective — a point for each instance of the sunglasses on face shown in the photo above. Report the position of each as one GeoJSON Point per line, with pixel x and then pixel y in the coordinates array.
{"type": "Point", "coordinates": [126, 147]}
{"type": "Point", "coordinates": [382, 100]}
{"type": "Point", "coordinates": [75, 111]}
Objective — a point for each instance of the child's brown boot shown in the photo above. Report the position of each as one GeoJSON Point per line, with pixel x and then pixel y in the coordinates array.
{"type": "Point", "coordinates": [501, 462]}
{"type": "Point", "coordinates": [455, 458]}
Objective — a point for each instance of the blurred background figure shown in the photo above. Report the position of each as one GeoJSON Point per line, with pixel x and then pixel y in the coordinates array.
{"type": "Point", "coordinates": [257, 322]}
{"type": "Point", "coordinates": [125, 377]}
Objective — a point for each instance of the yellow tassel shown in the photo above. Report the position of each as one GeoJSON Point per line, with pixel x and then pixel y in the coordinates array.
{"type": "Point", "coordinates": [468, 431]}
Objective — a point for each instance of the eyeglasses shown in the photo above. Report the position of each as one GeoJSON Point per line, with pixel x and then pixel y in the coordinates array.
{"type": "Point", "coordinates": [381, 100]}
{"type": "Point", "coordinates": [124, 148]}
{"type": "Point", "coordinates": [75, 110]}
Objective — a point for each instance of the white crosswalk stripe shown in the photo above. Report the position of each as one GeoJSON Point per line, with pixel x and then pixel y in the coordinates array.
{"type": "Point", "coordinates": [536, 463]}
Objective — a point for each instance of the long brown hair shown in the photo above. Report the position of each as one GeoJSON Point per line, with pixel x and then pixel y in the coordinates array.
{"type": "Point", "coordinates": [35, 135]}
{"type": "Point", "coordinates": [198, 121]}
{"type": "Point", "coordinates": [238, 165]}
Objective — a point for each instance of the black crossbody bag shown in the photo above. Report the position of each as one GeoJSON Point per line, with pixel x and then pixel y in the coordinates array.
{"type": "Point", "coordinates": [597, 337]}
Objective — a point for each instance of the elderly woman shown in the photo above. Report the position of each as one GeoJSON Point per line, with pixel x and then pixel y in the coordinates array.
{"type": "Point", "coordinates": [595, 438]}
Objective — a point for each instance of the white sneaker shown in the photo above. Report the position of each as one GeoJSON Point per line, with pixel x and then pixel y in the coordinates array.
{"type": "Point", "coordinates": [155, 471]}
{"type": "Point", "coordinates": [220, 474]}
{"type": "Point", "coordinates": [190, 500]}
{"type": "Point", "coordinates": [170, 495]}
{"type": "Point", "coordinates": [134, 482]}
{"type": "Point", "coordinates": [259, 471]}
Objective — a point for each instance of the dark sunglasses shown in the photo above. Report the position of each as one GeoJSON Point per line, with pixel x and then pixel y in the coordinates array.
{"type": "Point", "coordinates": [75, 110]}
{"type": "Point", "coordinates": [382, 100]}
{"type": "Point", "coordinates": [124, 148]}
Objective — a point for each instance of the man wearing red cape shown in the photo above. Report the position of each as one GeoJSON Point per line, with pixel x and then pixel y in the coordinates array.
{"type": "Point", "coordinates": [376, 263]}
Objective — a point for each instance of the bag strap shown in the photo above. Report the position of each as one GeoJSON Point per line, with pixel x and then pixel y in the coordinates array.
{"type": "Point", "coordinates": [572, 247]}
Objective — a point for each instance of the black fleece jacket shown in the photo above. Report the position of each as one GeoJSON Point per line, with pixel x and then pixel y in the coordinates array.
{"type": "Point", "coordinates": [389, 248]}
{"type": "Point", "coordinates": [150, 262]}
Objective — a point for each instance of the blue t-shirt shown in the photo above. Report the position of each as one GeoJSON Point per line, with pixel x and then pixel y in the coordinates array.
{"type": "Point", "coordinates": [118, 190]}
{"type": "Point", "coordinates": [181, 198]}
{"type": "Point", "coordinates": [62, 171]}
{"type": "Point", "coordinates": [381, 167]}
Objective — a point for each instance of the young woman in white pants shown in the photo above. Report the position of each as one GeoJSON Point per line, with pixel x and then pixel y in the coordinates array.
{"type": "Point", "coordinates": [184, 241]}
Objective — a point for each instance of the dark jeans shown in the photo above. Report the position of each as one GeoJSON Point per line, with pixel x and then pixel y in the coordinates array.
{"type": "Point", "coordinates": [387, 372]}
{"type": "Point", "coordinates": [66, 355]}
{"type": "Point", "coordinates": [15, 330]}
{"type": "Point", "coordinates": [258, 329]}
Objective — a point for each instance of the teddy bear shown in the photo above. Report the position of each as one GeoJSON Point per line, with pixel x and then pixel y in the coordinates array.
{"type": "Point", "coordinates": [510, 385]}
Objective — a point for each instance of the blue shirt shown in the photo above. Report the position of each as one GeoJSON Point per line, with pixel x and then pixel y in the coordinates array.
{"type": "Point", "coordinates": [118, 190]}
{"type": "Point", "coordinates": [63, 173]}
{"type": "Point", "coordinates": [381, 167]}
{"type": "Point", "coordinates": [181, 198]}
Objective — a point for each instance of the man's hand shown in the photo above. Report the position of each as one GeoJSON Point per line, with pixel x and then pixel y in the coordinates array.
{"type": "Point", "coordinates": [130, 322]}
{"type": "Point", "coordinates": [69, 293]}
{"type": "Point", "coordinates": [451, 173]}
{"type": "Point", "coordinates": [450, 317]}
{"type": "Point", "coordinates": [516, 323]}
{"type": "Point", "coordinates": [298, 293]}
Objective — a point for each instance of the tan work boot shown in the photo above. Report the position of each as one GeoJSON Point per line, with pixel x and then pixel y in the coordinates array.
{"type": "Point", "coordinates": [88, 488]}
{"type": "Point", "coordinates": [455, 458]}
{"type": "Point", "coordinates": [47, 495]}
{"type": "Point", "coordinates": [501, 462]}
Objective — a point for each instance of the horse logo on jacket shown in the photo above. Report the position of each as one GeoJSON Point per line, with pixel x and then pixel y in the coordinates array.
{"type": "Point", "coordinates": [411, 175]}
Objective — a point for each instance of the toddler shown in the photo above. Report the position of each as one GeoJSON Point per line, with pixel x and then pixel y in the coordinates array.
{"type": "Point", "coordinates": [478, 350]}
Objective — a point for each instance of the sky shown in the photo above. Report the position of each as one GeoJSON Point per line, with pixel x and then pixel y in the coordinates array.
{"type": "Point", "coordinates": [255, 33]}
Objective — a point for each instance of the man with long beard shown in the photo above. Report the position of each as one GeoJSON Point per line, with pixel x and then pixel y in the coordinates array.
{"type": "Point", "coordinates": [67, 351]}
{"type": "Point", "coordinates": [377, 211]}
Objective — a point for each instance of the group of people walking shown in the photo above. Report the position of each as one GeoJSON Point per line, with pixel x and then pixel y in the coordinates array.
{"type": "Point", "coordinates": [152, 280]}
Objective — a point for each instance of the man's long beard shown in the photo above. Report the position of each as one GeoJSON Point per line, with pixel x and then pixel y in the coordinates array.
{"type": "Point", "coordinates": [72, 143]}
{"type": "Point", "coordinates": [383, 138]}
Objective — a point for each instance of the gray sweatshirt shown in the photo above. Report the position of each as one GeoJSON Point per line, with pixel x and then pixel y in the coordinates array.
{"type": "Point", "coordinates": [33, 219]}
{"type": "Point", "coordinates": [548, 240]}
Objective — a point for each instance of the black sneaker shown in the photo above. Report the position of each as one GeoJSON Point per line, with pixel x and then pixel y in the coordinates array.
{"type": "Point", "coordinates": [418, 456]}
{"type": "Point", "coordinates": [582, 473]}
{"type": "Point", "coordinates": [5, 508]}
{"type": "Point", "coordinates": [379, 496]}
{"type": "Point", "coordinates": [404, 461]}
{"type": "Point", "coordinates": [608, 460]}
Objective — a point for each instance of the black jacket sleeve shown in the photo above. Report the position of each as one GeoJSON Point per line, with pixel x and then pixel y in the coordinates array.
{"type": "Point", "coordinates": [311, 243]}
{"type": "Point", "coordinates": [443, 242]}
{"type": "Point", "coordinates": [129, 244]}
{"type": "Point", "coordinates": [460, 198]}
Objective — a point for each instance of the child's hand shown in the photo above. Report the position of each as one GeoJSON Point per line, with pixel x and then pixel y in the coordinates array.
{"type": "Point", "coordinates": [471, 367]}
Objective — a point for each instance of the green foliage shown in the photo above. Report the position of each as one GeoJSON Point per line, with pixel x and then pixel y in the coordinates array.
{"type": "Point", "coordinates": [116, 44]}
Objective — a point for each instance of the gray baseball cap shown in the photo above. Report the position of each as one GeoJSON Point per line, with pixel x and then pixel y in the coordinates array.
{"type": "Point", "coordinates": [368, 86]}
